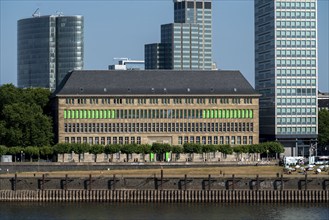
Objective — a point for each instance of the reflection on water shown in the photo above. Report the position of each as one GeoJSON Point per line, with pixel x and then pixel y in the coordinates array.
{"type": "Point", "coordinates": [162, 211]}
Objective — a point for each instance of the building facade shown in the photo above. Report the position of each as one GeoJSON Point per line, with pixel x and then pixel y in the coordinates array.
{"type": "Point", "coordinates": [286, 72]}
{"type": "Point", "coordinates": [185, 44]}
{"type": "Point", "coordinates": [211, 107]}
{"type": "Point", "coordinates": [128, 64]}
{"type": "Point", "coordinates": [47, 48]}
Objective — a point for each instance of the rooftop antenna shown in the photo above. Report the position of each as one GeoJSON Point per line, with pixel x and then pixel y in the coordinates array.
{"type": "Point", "coordinates": [36, 13]}
{"type": "Point", "coordinates": [59, 13]}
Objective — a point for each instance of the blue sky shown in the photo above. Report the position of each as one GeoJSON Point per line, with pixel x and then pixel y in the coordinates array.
{"type": "Point", "coordinates": [121, 28]}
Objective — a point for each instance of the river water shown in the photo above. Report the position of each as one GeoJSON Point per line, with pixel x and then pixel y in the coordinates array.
{"type": "Point", "coordinates": [49, 211]}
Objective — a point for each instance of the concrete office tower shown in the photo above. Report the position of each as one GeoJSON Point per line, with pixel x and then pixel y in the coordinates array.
{"type": "Point", "coordinates": [47, 48]}
{"type": "Point", "coordinates": [286, 73]}
{"type": "Point", "coordinates": [186, 43]}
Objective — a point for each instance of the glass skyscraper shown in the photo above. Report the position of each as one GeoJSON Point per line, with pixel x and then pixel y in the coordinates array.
{"type": "Point", "coordinates": [47, 48]}
{"type": "Point", "coordinates": [186, 43]}
{"type": "Point", "coordinates": [286, 72]}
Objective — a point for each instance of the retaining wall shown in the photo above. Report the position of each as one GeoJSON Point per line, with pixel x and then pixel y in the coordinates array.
{"type": "Point", "coordinates": [161, 182]}
{"type": "Point", "coordinates": [167, 196]}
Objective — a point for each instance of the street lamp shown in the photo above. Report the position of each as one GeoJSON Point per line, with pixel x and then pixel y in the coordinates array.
{"type": "Point", "coordinates": [21, 156]}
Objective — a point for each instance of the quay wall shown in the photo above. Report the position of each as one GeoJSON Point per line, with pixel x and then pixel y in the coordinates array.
{"type": "Point", "coordinates": [161, 182]}
{"type": "Point", "coordinates": [167, 196]}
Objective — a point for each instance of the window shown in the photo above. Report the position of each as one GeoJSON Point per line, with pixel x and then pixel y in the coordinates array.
{"type": "Point", "coordinates": [141, 101]}
{"type": "Point", "coordinates": [93, 101]}
{"type": "Point", "coordinates": [221, 140]}
{"type": "Point", "coordinates": [227, 140]}
{"type": "Point", "coordinates": [250, 140]}
{"type": "Point", "coordinates": [177, 101]}
{"type": "Point", "coordinates": [204, 140]}
{"type": "Point", "coordinates": [209, 140]}
{"type": "Point", "coordinates": [117, 101]}
{"type": "Point", "coordinates": [153, 101]}
{"type": "Point", "coordinates": [180, 140]}
{"type": "Point", "coordinates": [129, 101]}
{"type": "Point", "coordinates": [236, 101]}
{"type": "Point", "coordinates": [233, 140]}
{"type": "Point", "coordinates": [212, 101]}
{"type": "Point", "coordinates": [200, 101]}
{"type": "Point", "coordinates": [138, 140]}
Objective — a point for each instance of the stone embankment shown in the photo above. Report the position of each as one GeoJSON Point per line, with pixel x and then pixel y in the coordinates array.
{"type": "Point", "coordinates": [164, 189]}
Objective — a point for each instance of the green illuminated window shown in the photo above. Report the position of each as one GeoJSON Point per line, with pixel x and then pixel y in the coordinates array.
{"type": "Point", "coordinates": [65, 113]}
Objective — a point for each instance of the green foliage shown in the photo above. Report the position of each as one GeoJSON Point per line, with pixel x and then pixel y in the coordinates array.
{"type": "Point", "coordinates": [46, 151]}
{"type": "Point", "coordinates": [146, 148]}
{"type": "Point", "coordinates": [208, 148]}
{"type": "Point", "coordinates": [31, 151]}
{"type": "Point", "coordinates": [3, 150]}
{"type": "Point", "coordinates": [80, 148]}
{"type": "Point", "coordinates": [62, 148]}
{"type": "Point", "coordinates": [24, 117]}
{"type": "Point", "coordinates": [160, 148]}
{"type": "Point", "coordinates": [192, 148]}
{"type": "Point", "coordinates": [225, 149]}
{"type": "Point", "coordinates": [323, 127]}
{"type": "Point", "coordinates": [14, 150]}
{"type": "Point", "coordinates": [177, 149]}
{"type": "Point", "coordinates": [112, 148]}
{"type": "Point", "coordinates": [129, 148]}
{"type": "Point", "coordinates": [96, 149]}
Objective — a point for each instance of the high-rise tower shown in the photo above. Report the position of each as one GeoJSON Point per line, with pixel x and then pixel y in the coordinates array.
{"type": "Point", "coordinates": [47, 48]}
{"type": "Point", "coordinates": [186, 43]}
{"type": "Point", "coordinates": [286, 72]}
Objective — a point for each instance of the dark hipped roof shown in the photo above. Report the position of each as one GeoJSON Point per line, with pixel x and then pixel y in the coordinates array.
{"type": "Point", "coordinates": [153, 82]}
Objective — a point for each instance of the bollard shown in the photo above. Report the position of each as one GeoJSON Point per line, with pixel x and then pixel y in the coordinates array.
{"type": "Point", "coordinates": [114, 181]}
{"type": "Point", "coordinates": [90, 179]}
{"type": "Point", "coordinates": [161, 179]}
{"type": "Point", "coordinates": [257, 182]}
{"type": "Point", "coordinates": [185, 181]}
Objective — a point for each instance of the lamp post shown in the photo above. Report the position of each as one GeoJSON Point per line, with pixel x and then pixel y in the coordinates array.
{"type": "Point", "coordinates": [21, 156]}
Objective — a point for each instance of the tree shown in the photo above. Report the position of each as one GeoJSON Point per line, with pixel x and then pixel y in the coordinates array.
{"type": "Point", "coordinates": [96, 149]}
{"type": "Point", "coordinates": [112, 149]}
{"type": "Point", "coordinates": [32, 151]}
{"type": "Point", "coordinates": [323, 128]}
{"type": "Point", "coordinates": [25, 117]}
{"type": "Point", "coordinates": [159, 148]}
{"type": "Point", "coordinates": [46, 151]}
{"type": "Point", "coordinates": [80, 149]}
{"type": "Point", "coordinates": [177, 149]}
{"type": "Point", "coordinates": [128, 149]}
{"type": "Point", "coordinates": [14, 151]}
{"type": "Point", "coordinates": [62, 148]}
{"type": "Point", "coordinates": [3, 150]}
{"type": "Point", "coordinates": [225, 149]}
{"type": "Point", "coordinates": [143, 149]}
